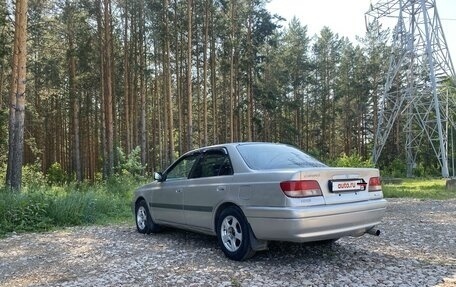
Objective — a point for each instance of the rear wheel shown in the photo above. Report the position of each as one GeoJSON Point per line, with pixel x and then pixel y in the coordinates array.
{"type": "Point", "coordinates": [234, 235]}
{"type": "Point", "coordinates": [144, 222]}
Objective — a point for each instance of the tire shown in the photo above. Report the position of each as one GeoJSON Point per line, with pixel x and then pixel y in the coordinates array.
{"type": "Point", "coordinates": [144, 222]}
{"type": "Point", "coordinates": [233, 234]}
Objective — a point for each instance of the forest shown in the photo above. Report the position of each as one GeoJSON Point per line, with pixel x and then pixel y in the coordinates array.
{"type": "Point", "coordinates": [110, 82]}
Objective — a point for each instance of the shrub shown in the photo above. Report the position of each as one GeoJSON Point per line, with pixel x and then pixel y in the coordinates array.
{"type": "Point", "coordinates": [397, 168]}
{"type": "Point", "coordinates": [354, 160]}
{"type": "Point", "coordinates": [131, 164]}
{"type": "Point", "coordinates": [55, 174]}
{"type": "Point", "coordinates": [32, 176]}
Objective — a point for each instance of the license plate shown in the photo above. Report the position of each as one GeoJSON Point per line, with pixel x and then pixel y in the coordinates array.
{"type": "Point", "coordinates": [347, 185]}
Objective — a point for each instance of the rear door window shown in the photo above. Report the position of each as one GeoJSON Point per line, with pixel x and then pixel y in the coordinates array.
{"type": "Point", "coordinates": [213, 163]}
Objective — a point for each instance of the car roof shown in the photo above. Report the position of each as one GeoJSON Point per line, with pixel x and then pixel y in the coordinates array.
{"type": "Point", "coordinates": [234, 144]}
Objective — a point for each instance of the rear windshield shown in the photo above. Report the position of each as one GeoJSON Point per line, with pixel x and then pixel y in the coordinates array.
{"type": "Point", "coordinates": [276, 156]}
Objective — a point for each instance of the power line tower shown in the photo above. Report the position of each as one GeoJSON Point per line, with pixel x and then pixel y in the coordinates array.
{"type": "Point", "coordinates": [419, 66]}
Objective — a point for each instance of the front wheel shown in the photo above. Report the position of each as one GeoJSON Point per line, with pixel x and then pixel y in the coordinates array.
{"type": "Point", "coordinates": [144, 222]}
{"type": "Point", "coordinates": [234, 235]}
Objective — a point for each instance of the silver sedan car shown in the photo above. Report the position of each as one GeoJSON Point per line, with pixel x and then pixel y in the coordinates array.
{"type": "Point", "coordinates": [250, 193]}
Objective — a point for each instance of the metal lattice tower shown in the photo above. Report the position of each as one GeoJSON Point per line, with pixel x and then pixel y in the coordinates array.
{"type": "Point", "coordinates": [419, 65]}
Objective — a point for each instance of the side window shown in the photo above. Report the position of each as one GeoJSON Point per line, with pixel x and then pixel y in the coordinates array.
{"type": "Point", "coordinates": [214, 163]}
{"type": "Point", "coordinates": [182, 168]}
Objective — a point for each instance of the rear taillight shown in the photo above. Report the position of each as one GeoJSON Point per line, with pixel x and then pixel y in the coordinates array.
{"type": "Point", "coordinates": [301, 188]}
{"type": "Point", "coordinates": [375, 184]}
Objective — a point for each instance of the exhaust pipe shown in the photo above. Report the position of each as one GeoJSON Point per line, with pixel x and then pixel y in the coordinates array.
{"type": "Point", "coordinates": [374, 231]}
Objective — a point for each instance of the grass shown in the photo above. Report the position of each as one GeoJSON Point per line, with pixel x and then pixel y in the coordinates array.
{"type": "Point", "coordinates": [43, 207]}
{"type": "Point", "coordinates": [418, 188]}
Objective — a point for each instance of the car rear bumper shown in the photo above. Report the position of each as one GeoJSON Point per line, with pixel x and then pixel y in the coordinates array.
{"type": "Point", "coordinates": [313, 223]}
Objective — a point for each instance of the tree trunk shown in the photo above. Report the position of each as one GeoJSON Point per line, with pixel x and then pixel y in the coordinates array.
{"type": "Point", "coordinates": [178, 60]}
{"type": "Point", "coordinates": [108, 97]}
{"type": "Point", "coordinates": [168, 92]}
{"type": "Point", "coordinates": [213, 63]}
{"type": "Point", "coordinates": [205, 46]}
{"type": "Point", "coordinates": [189, 77]}
{"type": "Point", "coordinates": [128, 143]}
{"type": "Point", "coordinates": [142, 86]}
{"type": "Point", "coordinates": [250, 63]}
{"type": "Point", "coordinates": [74, 96]}
{"type": "Point", "coordinates": [17, 110]}
{"type": "Point", "coordinates": [232, 52]}
{"type": "Point", "coordinates": [100, 116]}
{"type": "Point", "coordinates": [12, 99]}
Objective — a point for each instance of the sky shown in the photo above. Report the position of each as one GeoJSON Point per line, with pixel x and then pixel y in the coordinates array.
{"type": "Point", "coordinates": [346, 17]}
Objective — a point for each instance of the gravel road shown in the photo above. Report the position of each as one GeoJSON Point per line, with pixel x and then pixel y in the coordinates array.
{"type": "Point", "coordinates": [417, 248]}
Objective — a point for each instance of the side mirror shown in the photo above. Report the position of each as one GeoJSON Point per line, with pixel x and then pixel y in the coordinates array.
{"type": "Point", "coordinates": [158, 176]}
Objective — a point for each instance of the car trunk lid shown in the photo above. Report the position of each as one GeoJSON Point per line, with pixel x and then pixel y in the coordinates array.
{"type": "Point", "coordinates": [342, 185]}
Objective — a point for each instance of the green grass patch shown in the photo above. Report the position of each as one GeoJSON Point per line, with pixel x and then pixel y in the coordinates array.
{"type": "Point", "coordinates": [41, 208]}
{"type": "Point", "coordinates": [423, 188]}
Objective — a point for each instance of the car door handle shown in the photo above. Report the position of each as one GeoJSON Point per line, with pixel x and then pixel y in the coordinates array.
{"type": "Point", "coordinates": [220, 188]}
